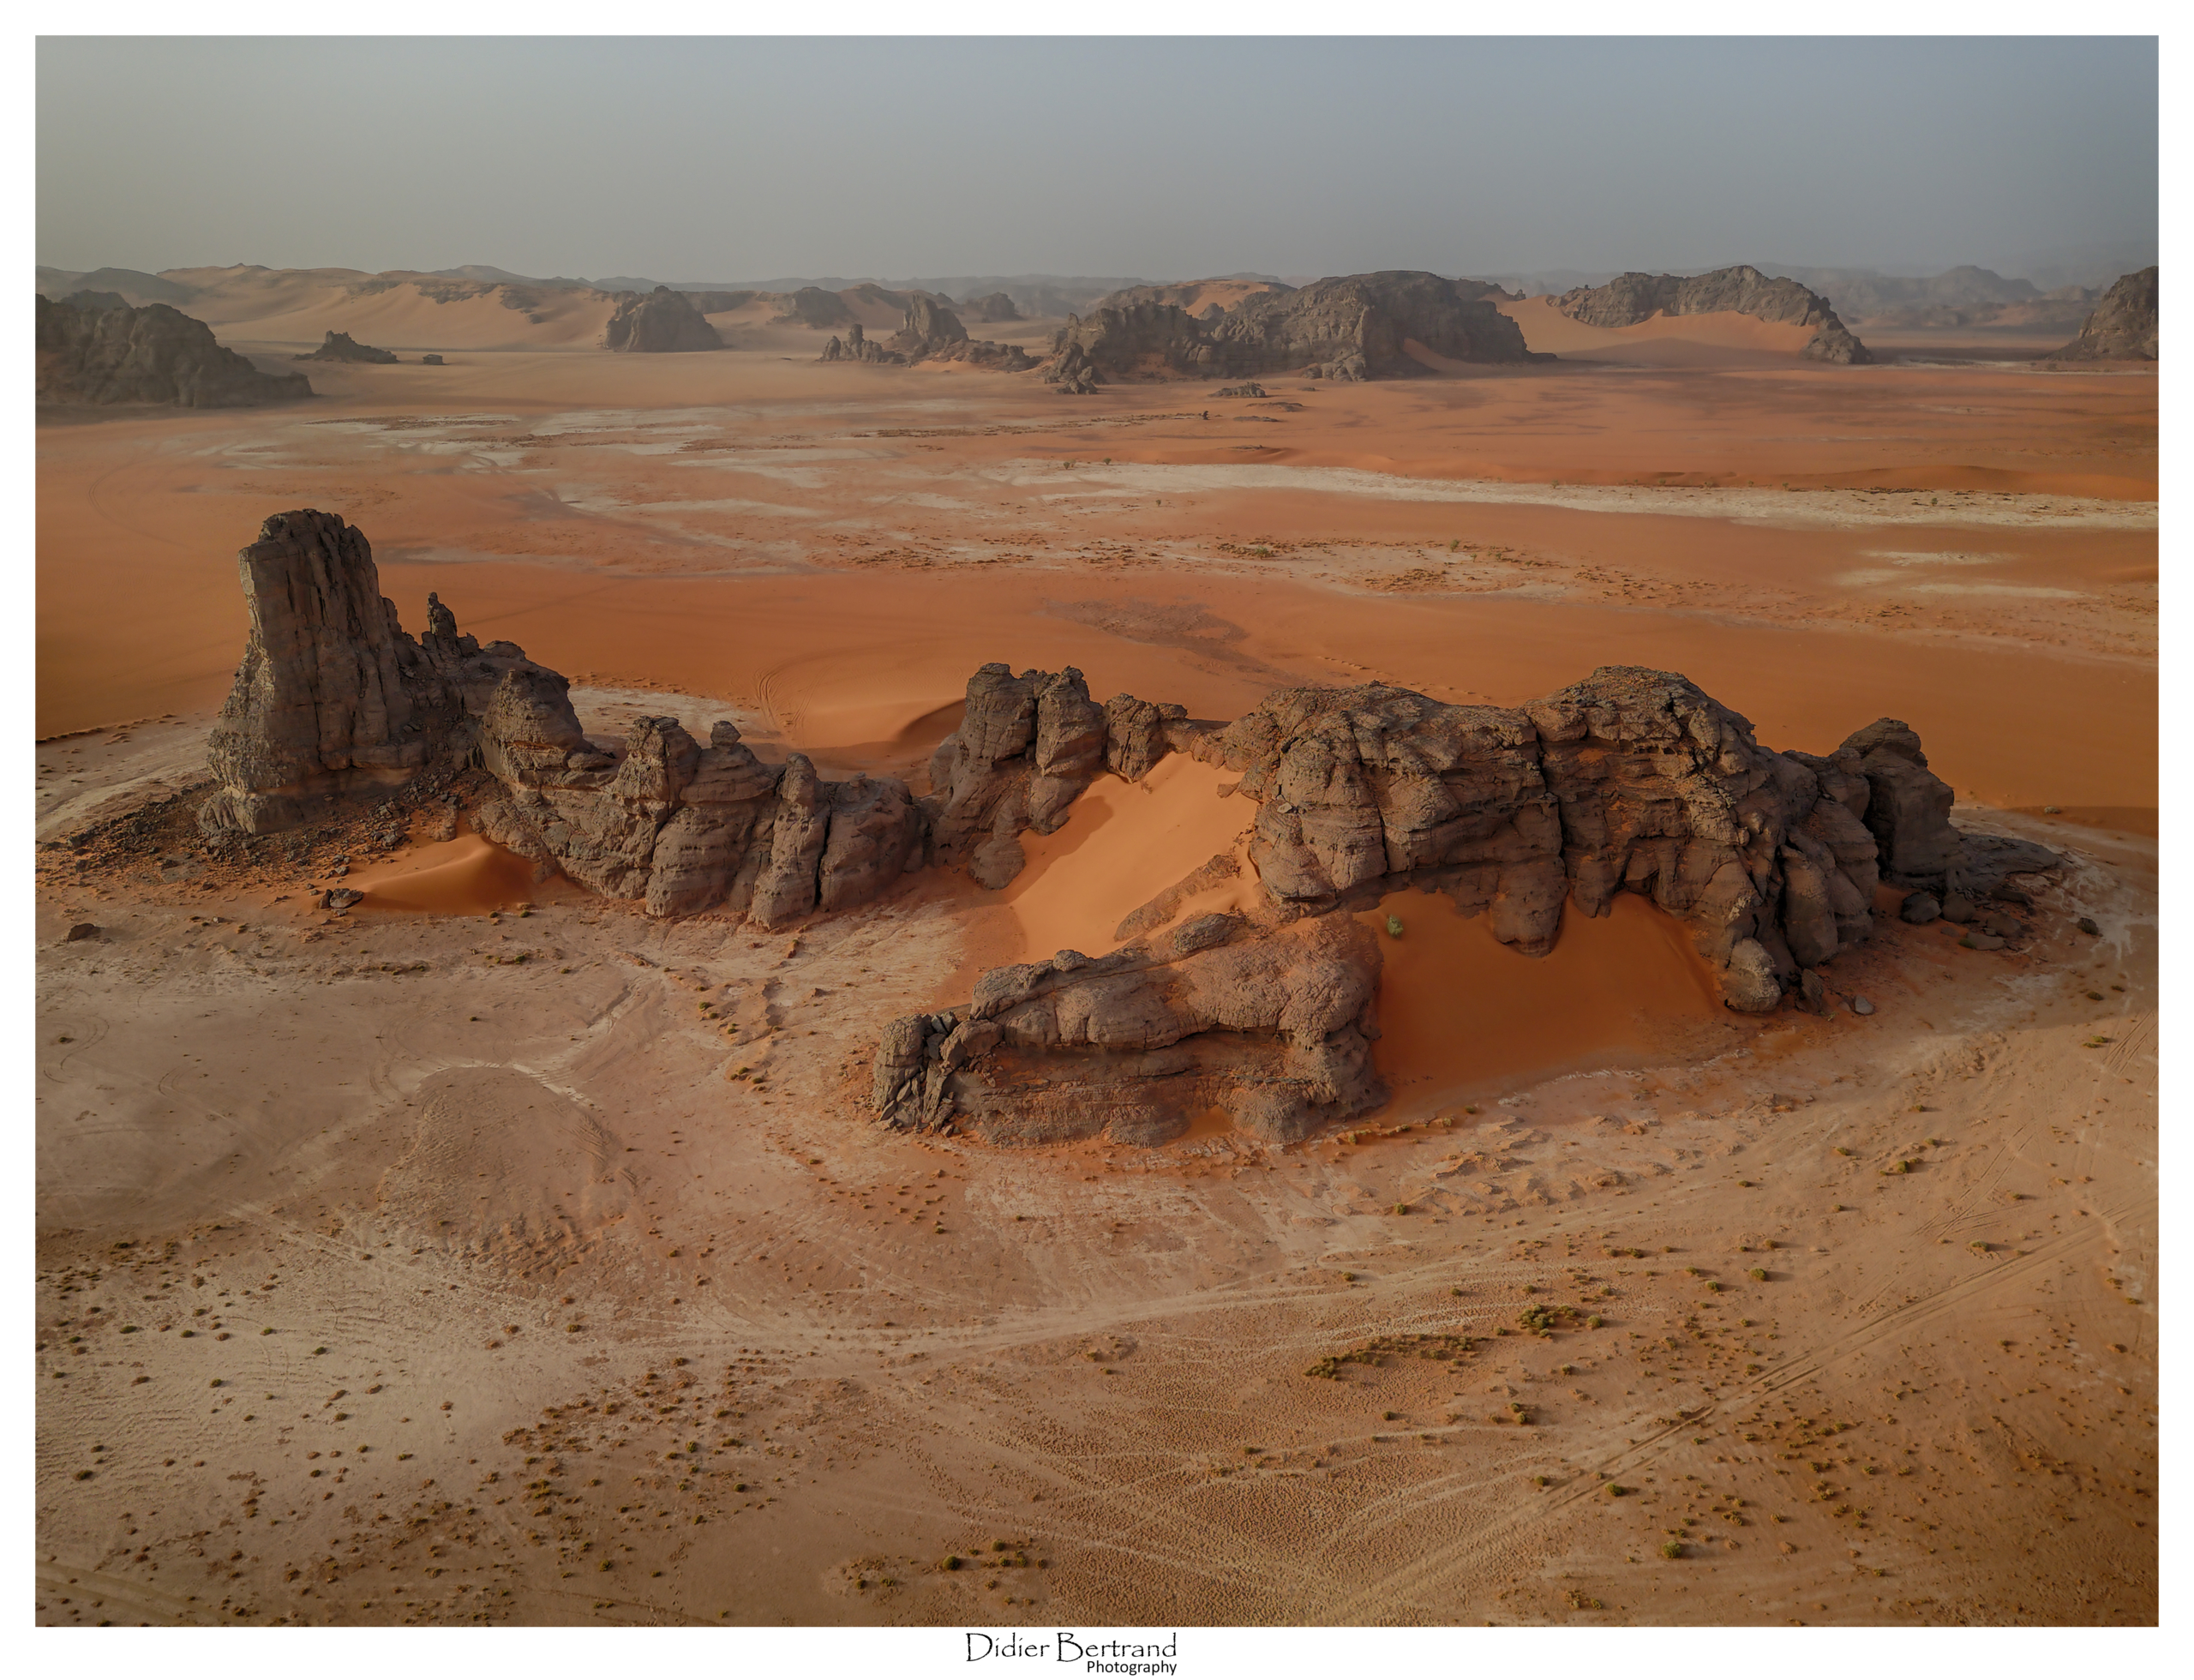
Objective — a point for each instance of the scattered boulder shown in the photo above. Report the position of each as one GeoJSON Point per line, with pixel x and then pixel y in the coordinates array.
{"type": "Point", "coordinates": [1920, 909]}
{"type": "Point", "coordinates": [1860, 1005]}
{"type": "Point", "coordinates": [659, 321]}
{"type": "Point", "coordinates": [1252, 389]}
{"type": "Point", "coordinates": [2123, 326]}
{"type": "Point", "coordinates": [1628, 299]}
{"type": "Point", "coordinates": [430, 360]}
{"type": "Point", "coordinates": [341, 347]}
{"type": "Point", "coordinates": [81, 930]}
{"type": "Point", "coordinates": [2088, 925]}
{"type": "Point", "coordinates": [106, 351]}
{"type": "Point", "coordinates": [1976, 939]}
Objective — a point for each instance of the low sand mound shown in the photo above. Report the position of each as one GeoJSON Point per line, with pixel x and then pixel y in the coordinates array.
{"type": "Point", "coordinates": [469, 875]}
{"type": "Point", "coordinates": [1458, 1009]}
{"type": "Point", "coordinates": [1662, 339]}
{"type": "Point", "coordinates": [500, 1163]}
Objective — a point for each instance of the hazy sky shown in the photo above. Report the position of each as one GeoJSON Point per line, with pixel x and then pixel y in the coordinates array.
{"type": "Point", "coordinates": [729, 160]}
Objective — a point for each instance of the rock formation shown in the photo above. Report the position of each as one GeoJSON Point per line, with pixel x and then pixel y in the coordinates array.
{"type": "Point", "coordinates": [997, 307]}
{"type": "Point", "coordinates": [812, 306]}
{"type": "Point", "coordinates": [931, 333]}
{"type": "Point", "coordinates": [662, 320]}
{"type": "Point", "coordinates": [1357, 326]}
{"type": "Point", "coordinates": [1628, 299]}
{"type": "Point", "coordinates": [1631, 780]}
{"type": "Point", "coordinates": [332, 694]}
{"type": "Point", "coordinates": [341, 347]}
{"type": "Point", "coordinates": [106, 351]}
{"type": "Point", "coordinates": [856, 346]}
{"type": "Point", "coordinates": [2123, 326]}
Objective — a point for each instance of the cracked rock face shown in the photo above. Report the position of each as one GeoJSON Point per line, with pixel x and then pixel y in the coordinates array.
{"type": "Point", "coordinates": [1272, 1027]}
{"type": "Point", "coordinates": [95, 348]}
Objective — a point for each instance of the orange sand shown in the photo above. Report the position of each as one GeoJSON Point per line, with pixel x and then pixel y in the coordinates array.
{"type": "Point", "coordinates": [1123, 843]}
{"type": "Point", "coordinates": [469, 875]}
{"type": "Point", "coordinates": [1458, 1009]}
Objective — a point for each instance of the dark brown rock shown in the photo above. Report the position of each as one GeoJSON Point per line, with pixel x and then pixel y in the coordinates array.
{"type": "Point", "coordinates": [857, 346]}
{"type": "Point", "coordinates": [2123, 326]}
{"type": "Point", "coordinates": [1272, 1027]}
{"type": "Point", "coordinates": [80, 930]}
{"type": "Point", "coordinates": [112, 353]}
{"type": "Point", "coordinates": [659, 321]}
{"type": "Point", "coordinates": [341, 347]}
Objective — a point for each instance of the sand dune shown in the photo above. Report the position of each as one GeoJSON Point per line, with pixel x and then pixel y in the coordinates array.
{"type": "Point", "coordinates": [466, 876]}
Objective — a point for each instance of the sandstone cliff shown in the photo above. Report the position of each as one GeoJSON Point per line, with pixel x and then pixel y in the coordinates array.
{"type": "Point", "coordinates": [341, 347]}
{"type": "Point", "coordinates": [662, 320]}
{"type": "Point", "coordinates": [1628, 299]}
{"type": "Point", "coordinates": [2123, 328]}
{"type": "Point", "coordinates": [932, 332]}
{"type": "Point", "coordinates": [106, 351]}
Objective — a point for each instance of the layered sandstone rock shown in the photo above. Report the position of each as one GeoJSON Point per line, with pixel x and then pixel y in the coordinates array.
{"type": "Point", "coordinates": [95, 348]}
{"type": "Point", "coordinates": [1628, 299]}
{"type": "Point", "coordinates": [342, 347]}
{"type": "Point", "coordinates": [1382, 326]}
{"type": "Point", "coordinates": [932, 332]}
{"type": "Point", "coordinates": [332, 694]}
{"type": "Point", "coordinates": [2123, 326]}
{"type": "Point", "coordinates": [659, 321]}
{"type": "Point", "coordinates": [1272, 1026]}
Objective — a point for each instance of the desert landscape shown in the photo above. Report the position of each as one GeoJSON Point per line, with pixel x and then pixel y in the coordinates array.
{"type": "Point", "coordinates": [1474, 956]}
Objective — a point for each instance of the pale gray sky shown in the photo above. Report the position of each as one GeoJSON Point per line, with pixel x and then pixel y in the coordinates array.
{"type": "Point", "coordinates": [740, 158]}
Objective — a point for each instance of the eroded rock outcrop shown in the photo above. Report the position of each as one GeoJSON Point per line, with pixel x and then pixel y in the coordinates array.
{"type": "Point", "coordinates": [996, 307]}
{"type": "Point", "coordinates": [2123, 326]}
{"type": "Point", "coordinates": [1272, 1026]}
{"type": "Point", "coordinates": [932, 332]}
{"type": "Point", "coordinates": [1628, 299]}
{"type": "Point", "coordinates": [333, 693]}
{"type": "Point", "coordinates": [96, 348]}
{"type": "Point", "coordinates": [1630, 781]}
{"type": "Point", "coordinates": [857, 346]}
{"type": "Point", "coordinates": [342, 347]}
{"type": "Point", "coordinates": [1383, 326]}
{"type": "Point", "coordinates": [659, 321]}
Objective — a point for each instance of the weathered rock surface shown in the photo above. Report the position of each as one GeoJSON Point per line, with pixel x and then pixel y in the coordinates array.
{"type": "Point", "coordinates": [857, 346]}
{"type": "Point", "coordinates": [997, 307]}
{"type": "Point", "coordinates": [659, 321]}
{"type": "Point", "coordinates": [932, 332]}
{"type": "Point", "coordinates": [95, 348]}
{"type": "Point", "coordinates": [1274, 1027]}
{"type": "Point", "coordinates": [2123, 328]}
{"type": "Point", "coordinates": [1628, 299]}
{"type": "Point", "coordinates": [333, 693]}
{"type": "Point", "coordinates": [1026, 747]}
{"type": "Point", "coordinates": [1356, 326]}
{"type": "Point", "coordinates": [812, 306]}
{"type": "Point", "coordinates": [342, 347]}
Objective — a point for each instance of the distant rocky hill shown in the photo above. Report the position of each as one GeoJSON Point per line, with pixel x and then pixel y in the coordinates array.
{"type": "Point", "coordinates": [1353, 327]}
{"type": "Point", "coordinates": [342, 347]}
{"type": "Point", "coordinates": [662, 320]}
{"type": "Point", "coordinates": [2123, 328]}
{"type": "Point", "coordinates": [998, 307]}
{"type": "Point", "coordinates": [108, 351]}
{"type": "Point", "coordinates": [1630, 298]}
{"type": "Point", "coordinates": [929, 332]}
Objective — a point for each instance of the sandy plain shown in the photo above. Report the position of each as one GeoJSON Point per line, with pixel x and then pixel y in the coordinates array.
{"type": "Point", "coordinates": [1875, 1336]}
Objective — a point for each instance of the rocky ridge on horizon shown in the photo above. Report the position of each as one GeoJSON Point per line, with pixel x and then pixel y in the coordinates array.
{"type": "Point", "coordinates": [1629, 299]}
{"type": "Point", "coordinates": [97, 348]}
{"type": "Point", "coordinates": [1356, 326]}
